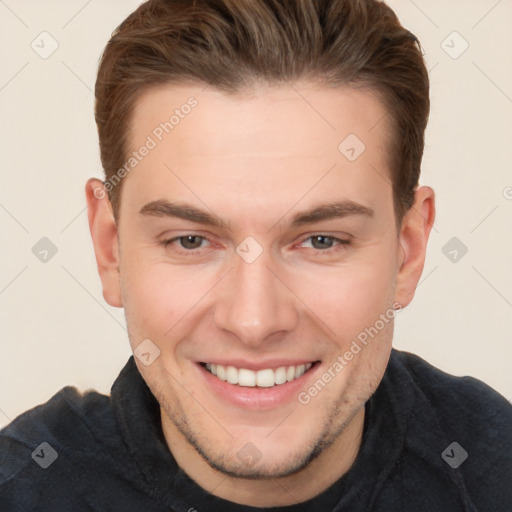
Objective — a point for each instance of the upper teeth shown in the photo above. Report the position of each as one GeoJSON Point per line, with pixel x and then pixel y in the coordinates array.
{"type": "Point", "coordinates": [262, 378]}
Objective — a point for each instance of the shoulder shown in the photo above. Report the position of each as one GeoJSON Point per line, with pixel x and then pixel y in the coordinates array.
{"type": "Point", "coordinates": [70, 426]}
{"type": "Point", "coordinates": [66, 414]}
{"type": "Point", "coordinates": [464, 397]}
{"type": "Point", "coordinates": [459, 427]}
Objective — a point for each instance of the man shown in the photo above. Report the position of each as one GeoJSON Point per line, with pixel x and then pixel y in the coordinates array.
{"type": "Point", "coordinates": [261, 223]}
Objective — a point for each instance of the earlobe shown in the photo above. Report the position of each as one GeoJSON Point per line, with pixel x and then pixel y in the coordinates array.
{"type": "Point", "coordinates": [104, 237]}
{"type": "Point", "coordinates": [414, 234]}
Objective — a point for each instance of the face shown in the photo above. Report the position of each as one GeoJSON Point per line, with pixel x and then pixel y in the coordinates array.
{"type": "Point", "coordinates": [254, 247]}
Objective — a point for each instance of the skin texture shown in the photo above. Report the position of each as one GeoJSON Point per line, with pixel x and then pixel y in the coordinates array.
{"type": "Point", "coordinates": [255, 160]}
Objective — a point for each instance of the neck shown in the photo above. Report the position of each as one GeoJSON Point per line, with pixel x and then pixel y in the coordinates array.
{"type": "Point", "coordinates": [311, 481]}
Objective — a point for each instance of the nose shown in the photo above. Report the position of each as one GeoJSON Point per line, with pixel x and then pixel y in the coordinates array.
{"type": "Point", "coordinates": [254, 303]}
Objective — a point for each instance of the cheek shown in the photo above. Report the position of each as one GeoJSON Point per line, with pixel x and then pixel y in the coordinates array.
{"type": "Point", "coordinates": [349, 299]}
{"type": "Point", "coordinates": [157, 296]}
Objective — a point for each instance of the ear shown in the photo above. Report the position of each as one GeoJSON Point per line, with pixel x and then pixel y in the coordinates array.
{"type": "Point", "coordinates": [104, 237]}
{"type": "Point", "coordinates": [414, 233]}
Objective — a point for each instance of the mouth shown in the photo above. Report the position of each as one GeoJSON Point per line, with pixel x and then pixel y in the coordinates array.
{"type": "Point", "coordinates": [263, 378]}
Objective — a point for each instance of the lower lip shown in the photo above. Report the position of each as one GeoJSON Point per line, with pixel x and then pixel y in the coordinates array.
{"type": "Point", "coordinates": [257, 397]}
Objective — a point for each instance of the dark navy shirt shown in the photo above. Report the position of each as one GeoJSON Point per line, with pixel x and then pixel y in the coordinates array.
{"type": "Point", "coordinates": [432, 442]}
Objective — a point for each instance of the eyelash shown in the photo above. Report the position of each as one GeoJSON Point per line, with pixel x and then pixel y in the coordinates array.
{"type": "Point", "coordinates": [341, 242]}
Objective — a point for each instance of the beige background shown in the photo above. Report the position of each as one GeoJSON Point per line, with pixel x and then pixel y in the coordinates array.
{"type": "Point", "coordinates": [57, 329]}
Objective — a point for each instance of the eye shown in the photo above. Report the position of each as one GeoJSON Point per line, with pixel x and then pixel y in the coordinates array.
{"type": "Point", "coordinates": [325, 243]}
{"type": "Point", "coordinates": [188, 242]}
{"type": "Point", "coordinates": [192, 243]}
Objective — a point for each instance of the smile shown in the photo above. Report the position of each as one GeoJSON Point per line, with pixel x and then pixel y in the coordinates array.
{"type": "Point", "coordinates": [265, 378]}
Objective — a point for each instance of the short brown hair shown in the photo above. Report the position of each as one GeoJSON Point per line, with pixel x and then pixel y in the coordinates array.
{"type": "Point", "coordinates": [235, 44]}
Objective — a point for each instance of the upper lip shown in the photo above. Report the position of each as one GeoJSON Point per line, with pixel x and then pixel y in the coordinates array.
{"type": "Point", "coordinates": [256, 366]}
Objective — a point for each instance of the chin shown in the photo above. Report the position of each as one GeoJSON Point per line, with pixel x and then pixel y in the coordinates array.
{"type": "Point", "coordinates": [250, 463]}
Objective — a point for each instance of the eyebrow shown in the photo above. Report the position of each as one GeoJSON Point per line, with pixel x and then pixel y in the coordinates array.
{"type": "Point", "coordinates": [163, 208]}
{"type": "Point", "coordinates": [333, 210]}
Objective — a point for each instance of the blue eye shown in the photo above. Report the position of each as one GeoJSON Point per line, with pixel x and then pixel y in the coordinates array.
{"type": "Point", "coordinates": [188, 242]}
{"type": "Point", "coordinates": [319, 242]}
{"type": "Point", "coordinates": [191, 243]}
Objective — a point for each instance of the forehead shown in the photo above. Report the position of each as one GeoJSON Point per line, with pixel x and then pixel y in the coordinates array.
{"type": "Point", "coordinates": [299, 116]}
{"type": "Point", "coordinates": [264, 142]}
